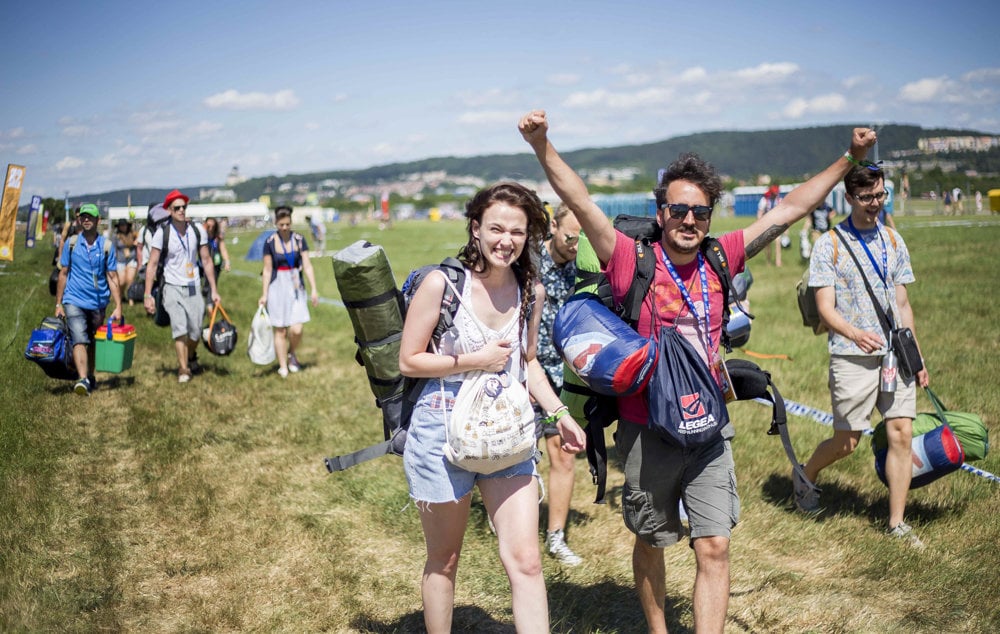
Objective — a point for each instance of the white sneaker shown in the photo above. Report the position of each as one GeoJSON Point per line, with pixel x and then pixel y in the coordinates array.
{"type": "Point", "coordinates": [282, 372]}
{"type": "Point", "coordinates": [293, 363]}
{"type": "Point", "coordinates": [905, 532]}
{"type": "Point", "coordinates": [806, 493]}
{"type": "Point", "coordinates": [555, 541]}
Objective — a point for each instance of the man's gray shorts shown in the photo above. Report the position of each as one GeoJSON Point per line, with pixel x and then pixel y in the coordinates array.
{"type": "Point", "coordinates": [186, 311]}
{"type": "Point", "coordinates": [659, 474]}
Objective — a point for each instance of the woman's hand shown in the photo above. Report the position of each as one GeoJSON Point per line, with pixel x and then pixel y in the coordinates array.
{"type": "Point", "coordinates": [574, 439]}
{"type": "Point", "coordinates": [493, 357]}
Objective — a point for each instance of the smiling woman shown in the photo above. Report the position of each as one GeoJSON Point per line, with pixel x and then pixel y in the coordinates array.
{"type": "Point", "coordinates": [495, 332]}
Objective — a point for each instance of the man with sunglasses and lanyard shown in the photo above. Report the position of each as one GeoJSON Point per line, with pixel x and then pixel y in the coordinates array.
{"type": "Point", "coordinates": [857, 342]}
{"type": "Point", "coordinates": [658, 474]}
{"type": "Point", "coordinates": [182, 298]}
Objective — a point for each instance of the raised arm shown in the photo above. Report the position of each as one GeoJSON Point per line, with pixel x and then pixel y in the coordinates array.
{"type": "Point", "coordinates": [568, 185]}
{"type": "Point", "coordinates": [806, 197]}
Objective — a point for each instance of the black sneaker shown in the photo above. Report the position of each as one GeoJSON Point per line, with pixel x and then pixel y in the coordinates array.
{"type": "Point", "coordinates": [193, 365]}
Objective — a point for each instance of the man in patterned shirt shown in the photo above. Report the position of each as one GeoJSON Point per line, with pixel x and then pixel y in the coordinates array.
{"type": "Point", "coordinates": [557, 269]}
{"type": "Point", "coordinates": [857, 341]}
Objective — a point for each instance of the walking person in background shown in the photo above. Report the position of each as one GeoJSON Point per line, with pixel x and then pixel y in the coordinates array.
{"type": "Point", "coordinates": [124, 239]}
{"type": "Point", "coordinates": [857, 343]}
{"type": "Point", "coordinates": [557, 270]}
{"type": "Point", "coordinates": [659, 474]}
{"type": "Point", "coordinates": [506, 223]}
{"type": "Point", "coordinates": [187, 251]}
{"type": "Point", "coordinates": [87, 279]}
{"type": "Point", "coordinates": [217, 247]}
{"type": "Point", "coordinates": [318, 230]}
{"type": "Point", "coordinates": [286, 259]}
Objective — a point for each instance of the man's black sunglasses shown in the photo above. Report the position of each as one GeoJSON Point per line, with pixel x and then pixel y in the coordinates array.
{"type": "Point", "coordinates": [679, 211]}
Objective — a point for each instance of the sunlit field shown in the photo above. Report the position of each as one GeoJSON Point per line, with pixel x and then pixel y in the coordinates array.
{"type": "Point", "coordinates": [204, 507]}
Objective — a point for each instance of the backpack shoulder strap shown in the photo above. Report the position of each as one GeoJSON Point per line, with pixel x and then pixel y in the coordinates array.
{"type": "Point", "coordinates": [454, 272]}
{"type": "Point", "coordinates": [645, 268]}
{"type": "Point", "coordinates": [716, 256]}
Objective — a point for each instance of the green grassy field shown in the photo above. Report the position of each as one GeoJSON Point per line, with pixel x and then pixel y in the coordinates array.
{"type": "Point", "coordinates": [153, 506]}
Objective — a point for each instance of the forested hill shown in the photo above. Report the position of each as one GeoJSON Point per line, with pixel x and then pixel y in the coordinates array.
{"type": "Point", "coordinates": [740, 155]}
{"type": "Point", "coordinates": [783, 154]}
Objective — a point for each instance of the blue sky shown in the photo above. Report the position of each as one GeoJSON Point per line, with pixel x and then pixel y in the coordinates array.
{"type": "Point", "coordinates": [112, 95]}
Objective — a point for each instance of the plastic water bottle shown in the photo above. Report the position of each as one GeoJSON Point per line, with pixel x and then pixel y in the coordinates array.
{"type": "Point", "coordinates": [890, 368]}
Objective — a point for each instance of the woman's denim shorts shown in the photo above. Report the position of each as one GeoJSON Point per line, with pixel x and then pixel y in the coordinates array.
{"type": "Point", "coordinates": [432, 478]}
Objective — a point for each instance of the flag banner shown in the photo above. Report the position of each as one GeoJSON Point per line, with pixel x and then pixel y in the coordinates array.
{"type": "Point", "coordinates": [34, 222]}
{"type": "Point", "coordinates": [8, 210]}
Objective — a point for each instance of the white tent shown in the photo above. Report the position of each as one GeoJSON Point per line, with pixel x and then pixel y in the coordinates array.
{"type": "Point", "coordinates": [225, 210]}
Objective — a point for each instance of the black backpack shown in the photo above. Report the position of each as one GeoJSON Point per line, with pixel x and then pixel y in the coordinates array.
{"type": "Point", "coordinates": [601, 411]}
{"type": "Point", "coordinates": [402, 392]}
{"type": "Point", "coordinates": [160, 316]}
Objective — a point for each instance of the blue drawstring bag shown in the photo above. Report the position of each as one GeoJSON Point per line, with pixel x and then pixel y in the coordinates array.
{"type": "Point", "coordinates": [610, 357]}
{"type": "Point", "coordinates": [686, 406]}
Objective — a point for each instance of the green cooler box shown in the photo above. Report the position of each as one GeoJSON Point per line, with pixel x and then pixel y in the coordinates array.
{"type": "Point", "coordinates": [114, 353]}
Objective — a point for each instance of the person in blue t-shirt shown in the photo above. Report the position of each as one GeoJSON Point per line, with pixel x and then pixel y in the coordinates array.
{"type": "Point", "coordinates": [89, 277]}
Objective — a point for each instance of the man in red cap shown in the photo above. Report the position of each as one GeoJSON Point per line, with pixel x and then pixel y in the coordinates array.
{"type": "Point", "coordinates": [186, 247]}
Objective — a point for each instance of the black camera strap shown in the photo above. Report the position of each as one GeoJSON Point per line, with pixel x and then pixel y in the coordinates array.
{"type": "Point", "coordinates": [886, 321]}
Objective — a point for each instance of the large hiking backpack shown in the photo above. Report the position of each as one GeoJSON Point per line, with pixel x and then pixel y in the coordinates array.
{"type": "Point", "coordinates": [377, 310]}
{"type": "Point", "coordinates": [601, 411]}
{"type": "Point", "coordinates": [160, 316]}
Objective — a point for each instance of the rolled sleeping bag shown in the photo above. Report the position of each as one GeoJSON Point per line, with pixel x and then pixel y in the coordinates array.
{"type": "Point", "coordinates": [934, 454]}
{"type": "Point", "coordinates": [601, 349]}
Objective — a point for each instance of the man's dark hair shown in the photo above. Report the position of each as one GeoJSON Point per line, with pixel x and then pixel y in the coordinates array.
{"type": "Point", "coordinates": [691, 167]}
{"type": "Point", "coordinates": [862, 178]}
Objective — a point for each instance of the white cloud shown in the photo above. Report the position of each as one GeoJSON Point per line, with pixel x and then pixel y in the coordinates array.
{"type": "Point", "coordinates": [235, 100]}
{"type": "Point", "coordinates": [13, 133]}
{"type": "Point", "coordinates": [30, 148]}
{"type": "Point", "coordinates": [563, 79]}
{"type": "Point", "coordinates": [69, 163]}
{"type": "Point", "coordinates": [768, 72]}
{"type": "Point", "coordinates": [619, 100]}
{"type": "Point", "coordinates": [492, 97]}
{"type": "Point", "coordinates": [340, 97]}
{"type": "Point", "coordinates": [489, 117]}
{"type": "Point", "coordinates": [76, 131]}
{"type": "Point", "coordinates": [984, 75]}
{"type": "Point", "coordinates": [206, 127]}
{"type": "Point", "coordinates": [696, 73]}
{"type": "Point", "coordinates": [312, 126]}
{"type": "Point", "coordinates": [822, 104]}
{"type": "Point", "coordinates": [925, 90]}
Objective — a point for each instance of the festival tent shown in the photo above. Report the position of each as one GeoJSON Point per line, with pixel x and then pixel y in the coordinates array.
{"type": "Point", "coordinates": [256, 252]}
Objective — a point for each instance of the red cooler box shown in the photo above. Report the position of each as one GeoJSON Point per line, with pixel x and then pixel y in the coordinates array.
{"type": "Point", "coordinates": [114, 354]}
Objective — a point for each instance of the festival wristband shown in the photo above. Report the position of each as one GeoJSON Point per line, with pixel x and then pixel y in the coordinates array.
{"type": "Point", "coordinates": [561, 411]}
{"type": "Point", "coordinates": [851, 159]}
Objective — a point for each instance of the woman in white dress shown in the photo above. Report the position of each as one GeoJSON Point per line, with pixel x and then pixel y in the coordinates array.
{"type": "Point", "coordinates": [286, 261]}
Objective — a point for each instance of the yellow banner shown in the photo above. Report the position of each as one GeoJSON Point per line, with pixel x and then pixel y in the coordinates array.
{"type": "Point", "coordinates": [8, 210]}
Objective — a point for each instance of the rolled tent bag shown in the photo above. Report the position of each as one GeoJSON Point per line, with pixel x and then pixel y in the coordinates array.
{"type": "Point", "coordinates": [368, 290]}
{"type": "Point", "coordinates": [601, 349]}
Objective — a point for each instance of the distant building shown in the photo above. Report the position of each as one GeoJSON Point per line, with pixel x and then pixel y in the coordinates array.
{"type": "Point", "coordinates": [234, 177]}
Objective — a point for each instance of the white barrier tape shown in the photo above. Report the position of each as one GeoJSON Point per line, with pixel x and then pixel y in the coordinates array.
{"type": "Point", "coordinates": [826, 418]}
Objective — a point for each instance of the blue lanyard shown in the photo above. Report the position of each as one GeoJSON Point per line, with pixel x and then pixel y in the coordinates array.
{"type": "Point", "coordinates": [184, 243]}
{"type": "Point", "coordinates": [884, 271]}
{"type": "Point", "coordinates": [706, 319]}
{"type": "Point", "coordinates": [289, 261]}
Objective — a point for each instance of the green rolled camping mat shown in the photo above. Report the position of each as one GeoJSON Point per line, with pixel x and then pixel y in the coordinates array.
{"type": "Point", "coordinates": [368, 290]}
